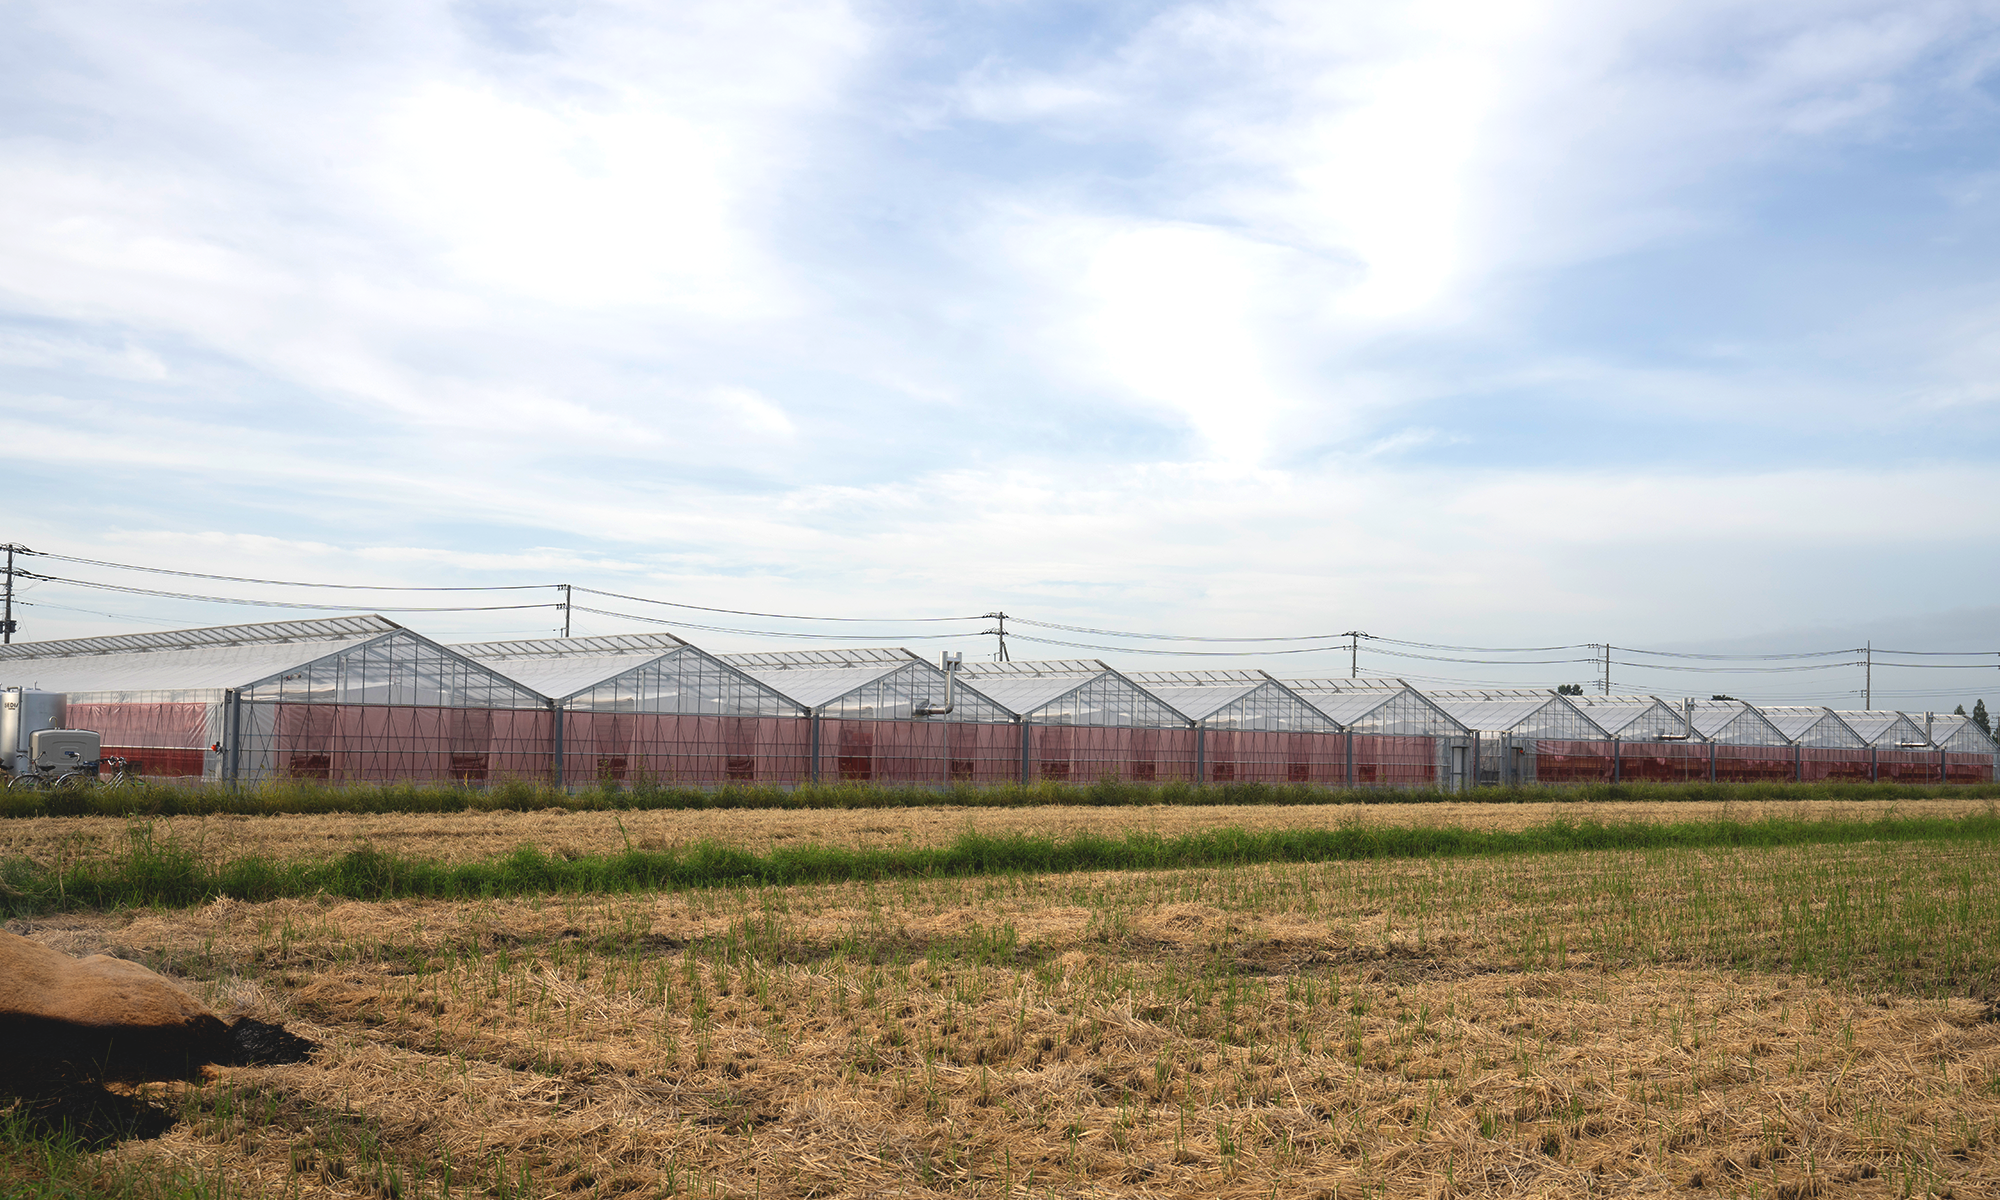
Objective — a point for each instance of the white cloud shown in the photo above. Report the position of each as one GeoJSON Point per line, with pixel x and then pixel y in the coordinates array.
{"type": "Point", "coordinates": [753, 413]}
{"type": "Point", "coordinates": [686, 285]}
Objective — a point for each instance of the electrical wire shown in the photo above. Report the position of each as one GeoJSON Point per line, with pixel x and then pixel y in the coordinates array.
{"type": "Point", "coordinates": [1328, 643]}
{"type": "Point", "coordinates": [364, 587]}
{"type": "Point", "coordinates": [132, 591]}
{"type": "Point", "coordinates": [20, 603]}
{"type": "Point", "coordinates": [1488, 662]}
{"type": "Point", "coordinates": [1041, 641]}
{"type": "Point", "coordinates": [1832, 666]}
{"type": "Point", "coordinates": [1171, 637]}
{"type": "Point", "coordinates": [817, 637]}
{"type": "Point", "coordinates": [737, 612]}
{"type": "Point", "coordinates": [1483, 649]}
{"type": "Point", "coordinates": [1740, 657]}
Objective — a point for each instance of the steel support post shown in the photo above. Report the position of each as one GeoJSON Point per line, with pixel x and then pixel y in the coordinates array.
{"type": "Point", "coordinates": [1201, 753]}
{"type": "Point", "coordinates": [232, 758]}
{"type": "Point", "coordinates": [1025, 737]}
{"type": "Point", "coordinates": [812, 769]}
{"type": "Point", "coordinates": [558, 762]}
{"type": "Point", "coordinates": [1350, 758]}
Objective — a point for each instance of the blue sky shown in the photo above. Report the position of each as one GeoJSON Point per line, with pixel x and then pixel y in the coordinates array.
{"type": "Point", "coordinates": [1674, 325]}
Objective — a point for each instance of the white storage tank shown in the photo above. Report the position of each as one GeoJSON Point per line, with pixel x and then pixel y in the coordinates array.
{"type": "Point", "coordinates": [23, 713]}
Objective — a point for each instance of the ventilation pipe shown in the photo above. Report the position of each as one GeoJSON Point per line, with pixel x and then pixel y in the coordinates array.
{"type": "Point", "coordinates": [950, 662]}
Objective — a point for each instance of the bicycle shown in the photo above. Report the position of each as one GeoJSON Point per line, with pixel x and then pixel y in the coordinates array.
{"type": "Point", "coordinates": [90, 774]}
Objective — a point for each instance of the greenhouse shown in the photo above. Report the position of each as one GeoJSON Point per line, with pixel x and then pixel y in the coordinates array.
{"type": "Point", "coordinates": [649, 707]}
{"type": "Point", "coordinates": [1397, 737]}
{"type": "Point", "coordinates": [1250, 728]}
{"type": "Point", "coordinates": [341, 699]}
{"type": "Point", "coordinates": [1654, 742]}
{"type": "Point", "coordinates": [1965, 753]}
{"type": "Point", "coordinates": [363, 699]}
{"type": "Point", "coordinates": [1744, 745]}
{"type": "Point", "coordinates": [1823, 745]}
{"type": "Point", "coordinates": [1082, 721]}
{"type": "Point", "coordinates": [1902, 750]}
{"type": "Point", "coordinates": [888, 716]}
{"type": "Point", "coordinates": [1531, 737]}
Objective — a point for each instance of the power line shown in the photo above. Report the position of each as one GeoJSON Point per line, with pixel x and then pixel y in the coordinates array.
{"type": "Point", "coordinates": [817, 637]}
{"type": "Point", "coordinates": [364, 587]}
{"type": "Point", "coordinates": [1489, 662]}
{"type": "Point", "coordinates": [1176, 637]}
{"type": "Point", "coordinates": [1483, 649]}
{"type": "Point", "coordinates": [1337, 647]}
{"type": "Point", "coordinates": [1735, 670]}
{"type": "Point", "coordinates": [1349, 641]}
{"type": "Point", "coordinates": [132, 591]}
{"type": "Point", "coordinates": [737, 612]}
{"type": "Point", "coordinates": [1739, 657]}
{"type": "Point", "coordinates": [94, 612]}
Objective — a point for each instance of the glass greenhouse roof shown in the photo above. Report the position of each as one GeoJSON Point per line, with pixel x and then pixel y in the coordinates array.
{"type": "Point", "coordinates": [1242, 700]}
{"type": "Point", "coordinates": [265, 633]}
{"type": "Point", "coordinates": [1372, 705]}
{"type": "Point", "coordinates": [873, 684]}
{"type": "Point", "coordinates": [1736, 723]}
{"type": "Point", "coordinates": [817, 677]}
{"type": "Point", "coordinates": [342, 660]}
{"type": "Point", "coordinates": [1949, 731]}
{"type": "Point", "coordinates": [1636, 718]}
{"type": "Point", "coordinates": [1522, 712]}
{"type": "Point", "coordinates": [562, 667]}
{"type": "Point", "coordinates": [1200, 694]}
{"type": "Point", "coordinates": [1885, 728]}
{"type": "Point", "coordinates": [184, 660]}
{"type": "Point", "coordinates": [1072, 692]}
{"type": "Point", "coordinates": [1810, 725]}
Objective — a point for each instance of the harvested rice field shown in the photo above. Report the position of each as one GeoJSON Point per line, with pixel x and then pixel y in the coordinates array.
{"type": "Point", "coordinates": [1790, 1022]}
{"type": "Point", "coordinates": [469, 836]}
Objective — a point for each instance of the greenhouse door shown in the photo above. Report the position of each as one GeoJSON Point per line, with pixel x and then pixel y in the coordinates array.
{"type": "Point", "coordinates": [1458, 768]}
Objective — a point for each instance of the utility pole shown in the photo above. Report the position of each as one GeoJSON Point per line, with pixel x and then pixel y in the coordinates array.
{"type": "Point", "coordinates": [565, 607]}
{"type": "Point", "coordinates": [999, 631]}
{"type": "Point", "coordinates": [1354, 637]}
{"type": "Point", "coordinates": [7, 625]}
{"type": "Point", "coordinates": [1868, 678]}
{"type": "Point", "coordinates": [1607, 669]}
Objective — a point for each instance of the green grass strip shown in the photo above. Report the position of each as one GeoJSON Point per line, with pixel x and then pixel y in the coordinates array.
{"type": "Point", "coordinates": [294, 797]}
{"type": "Point", "coordinates": [166, 873]}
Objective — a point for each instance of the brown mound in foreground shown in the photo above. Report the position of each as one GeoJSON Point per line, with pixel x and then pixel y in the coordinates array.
{"type": "Point", "coordinates": [104, 1018]}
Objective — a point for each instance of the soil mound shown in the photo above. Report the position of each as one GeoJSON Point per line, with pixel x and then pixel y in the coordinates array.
{"type": "Point", "coordinates": [108, 1019]}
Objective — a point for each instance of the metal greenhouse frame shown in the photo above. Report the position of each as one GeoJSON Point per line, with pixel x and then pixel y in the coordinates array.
{"type": "Point", "coordinates": [1823, 745]}
{"type": "Point", "coordinates": [1901, 751]}
{"type": "Point", "coordinates": [877, 716]}
{"type": "Point", "coordinates": [1745, 745]}
{"type": "Point", "coordinates": [342, 699]}
{"type": "Point", "coordinates": [1081, 721]}
{"type": "Point", "coordinates": [1395, 736]}
{"type": "Point", "coordinates": [1532, 737]}
{"type": "Point", "coordinates": [1651, 740]}
{"type": "Point", "coordinates": [1251, 728]}
{"type": "Point", "coordinates": [651, 708]}
{"type": "Point", "coordinates": [1965, 753]}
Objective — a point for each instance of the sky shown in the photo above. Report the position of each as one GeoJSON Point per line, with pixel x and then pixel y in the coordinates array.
{"type": "Point", "coordinates": [1672, 326]}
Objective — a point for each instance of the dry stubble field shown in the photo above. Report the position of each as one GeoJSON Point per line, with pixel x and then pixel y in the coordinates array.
{"type": "Point", "coordinates": [1694, 1022]}
{"type": "Point", "coordinates": [462, 837]}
